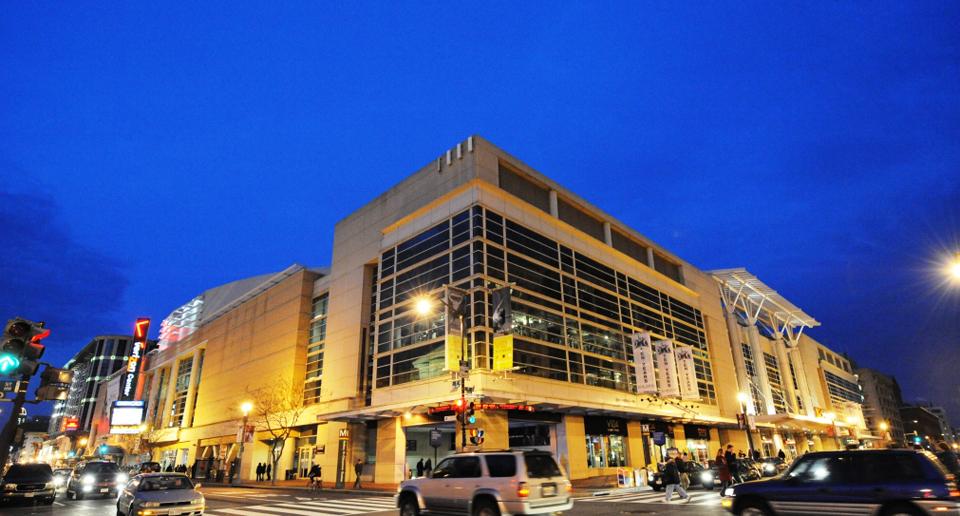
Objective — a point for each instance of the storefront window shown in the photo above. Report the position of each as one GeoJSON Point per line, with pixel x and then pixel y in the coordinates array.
{"type": "Point", "coordinates": [605, 442]}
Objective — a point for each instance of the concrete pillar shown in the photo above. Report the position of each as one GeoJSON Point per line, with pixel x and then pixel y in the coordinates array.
{"type": "Point", "coordinates": [650, 257]}
{"type": "Point", "coordinates": [391, 451]}
{"type": "Point", "coordinates": [786, 378]}
{"type": "Point", "coordinates": [753, 340]}
{"type": "Point", "coordinates": [635, 439]}
{"type": "Point", "coordinates": [192, 389]}
{"type": "Point", "coordinates": [778, 443]}
{"type": "Point", "coordinates": [576, 446]}
{"type": "Point", "coordinates": [495, 428]}
{"type": "Point", "coordinates": [805, 393]}
{"type": "Point", "coordinates": [739, 363]}
{"type": "Point", "coordinates": [554, 205]}
{"type": "Point", "coordinates": [607, 234]}
{"type": "Point", "coordinates": [171, 387]}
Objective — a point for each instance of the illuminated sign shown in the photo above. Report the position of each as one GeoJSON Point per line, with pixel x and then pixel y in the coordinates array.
{"type": "Point", "coordinates": [71, 424]}
{"type": "Point", "coordinates": [128, 388]}
{"type": "Point", "coordinates": [126, 416]}
{"type": "Point", "coordinates": [482, 406]}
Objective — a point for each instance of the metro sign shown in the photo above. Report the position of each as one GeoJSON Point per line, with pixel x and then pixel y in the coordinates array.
{"type": "Point", "coordinates": [128, 388]}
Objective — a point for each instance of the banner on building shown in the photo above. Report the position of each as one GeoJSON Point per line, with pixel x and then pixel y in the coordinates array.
{"type": "Point", "coordinates": [643, 363]}
{"type": "Point", "coordinates": [502, 323]}
{"type": "Point", "coordinates": [128, 385]}
{"type": "Point", "coordinates": [666, 368]}
{"type": "Point", "coordinates": [453, 347]}
{"type": "Point", "coordinates": [686, 373]}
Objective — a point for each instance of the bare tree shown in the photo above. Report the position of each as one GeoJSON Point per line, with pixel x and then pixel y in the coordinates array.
{"type": "Point", "coordinates": [277, 408]}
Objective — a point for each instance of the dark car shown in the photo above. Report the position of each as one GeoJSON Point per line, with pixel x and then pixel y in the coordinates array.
{"type": "Point", "coordinates": [61, 476]}
{"type": "Point", "coordinates": [95, 478]}
{"type": "Point", "coordinates": [28, 482]}
{"type": "Point", "coordinates": [699, 476]}
{"type": "Point", "coordinates": [883, 482]}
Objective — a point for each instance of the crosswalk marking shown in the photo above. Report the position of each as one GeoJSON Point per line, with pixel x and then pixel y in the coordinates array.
{"type": "Point", "coordinates": [316, 507]}
{"type": "Point", "coordinates": [701, 498]}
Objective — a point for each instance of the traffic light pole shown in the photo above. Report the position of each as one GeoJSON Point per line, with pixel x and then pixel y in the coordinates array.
{"type": "Point", "coordinates": [10, 429]}
{"type": "Point", "coordinates": [463, 385]}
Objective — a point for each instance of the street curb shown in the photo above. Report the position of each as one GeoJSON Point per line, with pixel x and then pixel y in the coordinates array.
{"type": "Point", "coordinates": [621, 490]}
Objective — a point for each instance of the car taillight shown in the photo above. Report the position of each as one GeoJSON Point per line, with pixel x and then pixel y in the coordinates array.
{"type": "Point", "coordinates": [569, 488]}
{"type": "Point", "coordinates": [522, 490]}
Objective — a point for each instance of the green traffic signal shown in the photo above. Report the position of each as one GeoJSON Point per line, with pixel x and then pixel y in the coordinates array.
{"type": "Point", "coordinates": [8, 363]}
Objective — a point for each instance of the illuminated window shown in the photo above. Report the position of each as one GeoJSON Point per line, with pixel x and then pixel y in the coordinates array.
{"type": "Point", "coordinates": [318, 336]}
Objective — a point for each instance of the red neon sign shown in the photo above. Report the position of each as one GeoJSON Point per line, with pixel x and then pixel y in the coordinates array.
{"type": "Point", "coordinates": [455, 407]}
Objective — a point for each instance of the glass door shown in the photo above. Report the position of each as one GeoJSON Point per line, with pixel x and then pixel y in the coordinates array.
{"type": "Point", "coordinates": [304, 461]}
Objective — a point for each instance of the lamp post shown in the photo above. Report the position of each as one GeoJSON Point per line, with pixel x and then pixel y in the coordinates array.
{"type": "Point", "coordinates": [744, 398]}
{"type": "Point", "coordinates": [424, 306]}
{"type": "Point", "coordinates": [245, 408]}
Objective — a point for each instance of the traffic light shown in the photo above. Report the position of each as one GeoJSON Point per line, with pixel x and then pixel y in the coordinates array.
{"type": "Point", "coordinates": [471, 414]}
{"type": "Point", "coordinates": [21, 349]}
{"type": "Point", "coordinates": [54, 384]}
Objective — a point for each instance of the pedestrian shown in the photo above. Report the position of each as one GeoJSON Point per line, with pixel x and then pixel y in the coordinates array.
{"type": "Point", "coordinates": [420, 468]}
{"type": "Point", "coordinates": [781, 455]}
{"type": "Point", "coordinates": [268, 471]}
{"type": "Point", "coordinates": [948, 458]}
{"type": "Point", "coordinates": [671, 476]}
{"type": "Point", "coordinates": [683, 467]}
{"type": "Point", "coordinates": [723, 471]}
{"type": "Point", "coordinates": [259, 471]}
{"type": "Point", "coordinates": [733, 465]}
{"type": "Point", "coordinates": [428, 467]}
{"type": "Point", "coordinates": [357, 468]}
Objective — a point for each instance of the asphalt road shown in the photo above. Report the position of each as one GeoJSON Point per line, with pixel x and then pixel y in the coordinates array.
{"type": "Point", "coordinates": [262, 502]}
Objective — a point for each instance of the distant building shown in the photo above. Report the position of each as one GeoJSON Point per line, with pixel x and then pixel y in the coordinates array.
{"type": "Point", "coordinates": [29, 439]}
{"type": "Point", "coordinates": [946, 431]}
{"type": "Point", "coordinates": [101, 357]}
{"type": "Point", "coordinates": [920, 425]}
{"type": "Point", "coordinates": [882, 402]}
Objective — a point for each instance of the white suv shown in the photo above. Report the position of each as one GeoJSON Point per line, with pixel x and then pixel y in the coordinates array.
{"type": "Point", "coordinates": [489, 483]}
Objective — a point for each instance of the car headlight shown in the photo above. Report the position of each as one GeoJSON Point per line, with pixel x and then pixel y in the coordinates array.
{"type": "Point", "coordinates": [150, 504]}
{"type": "Point", "coordinates": [706, 477]}
{"type": "Point", "coordinates": [58, 481]}
{"type": "Point", "coordinates": [88, 479]}
{"type": "Point", "coordinates": [122, 478]}
{"type": "Point", "coordinates": [769, 467]}
{"type": "Point", "coordinates": [10, 487]}
{"type": "Point", "coordinates": [650, 476]}
{"type": "Point", "coordinates": [728, 491]}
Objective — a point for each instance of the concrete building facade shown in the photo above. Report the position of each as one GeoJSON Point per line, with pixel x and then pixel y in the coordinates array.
{"type": "Point", "coordinates": [881, 403]}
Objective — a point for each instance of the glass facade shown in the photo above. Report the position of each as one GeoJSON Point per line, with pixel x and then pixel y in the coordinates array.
{"type": "Point", "coordinates": [181, 387]}
{"type": "Point", "coordinates": [842, 390]}
{"type": "Point", "coordinates": [573, 315]}
{"type": "Point", "coordinates": [318, 337]}
{"type": "Point", "coordinates": [776, 383]}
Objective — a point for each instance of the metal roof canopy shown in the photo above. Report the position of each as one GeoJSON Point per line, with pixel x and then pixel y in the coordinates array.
{"type": "Point", "coordinates": [745, 286]}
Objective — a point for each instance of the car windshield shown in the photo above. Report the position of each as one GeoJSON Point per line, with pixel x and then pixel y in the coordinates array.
{"type": "Point", "coordinates": [101, 467]}
{"type": "Point", "coordinates": [541, 466]}
{"type": "Point", "coordinates": [28, 471]}
{"type": "Point", "coordinates": [165, 483]}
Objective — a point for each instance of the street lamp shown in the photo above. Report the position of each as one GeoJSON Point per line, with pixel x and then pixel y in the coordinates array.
{"type": "Point", "coordinates": [744, 398]}
{"type": "Point", "coordinates": [245, 408]}
{"type": "Point", "coordinates": [424, 306]}
{"type": "Point", "coordinates": [884, 426]}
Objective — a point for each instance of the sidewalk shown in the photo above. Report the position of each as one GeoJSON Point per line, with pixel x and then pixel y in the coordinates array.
{"type": "Point", "coordinates": [601, 486]}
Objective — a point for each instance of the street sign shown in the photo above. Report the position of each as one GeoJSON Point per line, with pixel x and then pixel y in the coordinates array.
{"type": "Point", "coordinates": [452, 417]}
{"type": "Point", "coordinates": [436, 438]}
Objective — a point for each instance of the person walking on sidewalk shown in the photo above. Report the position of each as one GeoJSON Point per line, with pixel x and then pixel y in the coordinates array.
{"type": "Point", "coordinates": [730, 459]}
{"type": "Point", "coordinates": [259, 471]}
{"type": "Point", "coordinates": [671, 476]}
{"type": "Point", "coordinates": [357, 468]}
{"type": "Point", "coordinates": [723, 471]}
{"type": "Point", "coordinates": [420, 468]}
{"type": "Point", "coordinates": [268, 471]}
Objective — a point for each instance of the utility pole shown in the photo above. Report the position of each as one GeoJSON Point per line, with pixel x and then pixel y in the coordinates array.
{"type": "Point", "coordinates": [463, 383]}
{"type": "Point", "coordinates": [10, 429]}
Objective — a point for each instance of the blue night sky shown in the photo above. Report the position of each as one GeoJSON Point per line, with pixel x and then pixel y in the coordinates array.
{"type": "Point", "coordinates": [149, 152]}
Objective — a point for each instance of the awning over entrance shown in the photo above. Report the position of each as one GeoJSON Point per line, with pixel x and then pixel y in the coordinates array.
{"type": "Point", "coordinates": [799, 422]}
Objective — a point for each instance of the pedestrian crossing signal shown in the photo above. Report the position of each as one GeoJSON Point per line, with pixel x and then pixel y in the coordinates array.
{"type": "Point", "coordinates": [476, 436]}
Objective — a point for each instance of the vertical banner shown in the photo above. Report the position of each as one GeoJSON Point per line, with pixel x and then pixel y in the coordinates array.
{"type": "Point", "coordinates": [453, 347]}
{"type": "Point", "coordinates": [666, 368]}
{"type": "Point", "coordinates": [686, 373]}
{"type": "Point", "coordinates": [128, 386]}
{"type": "Point", "coordinates": [502, 324]}
{"type": "Point", "coordinates": [643, 363]}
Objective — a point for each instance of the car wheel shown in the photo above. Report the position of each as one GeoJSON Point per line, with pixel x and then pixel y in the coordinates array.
{"type": "Point", "coordinates": [902, 510]}
{"type": "Point", "coordinates": [77, 495]}
{"type": "Point", "coordinates": [409, 507]}
{"type": "Point", "coordinates": [754, 508]}
{"type": "Point", "coordinates": [485, 508]}
{"type": "Point", "coordinates": [49, 501]}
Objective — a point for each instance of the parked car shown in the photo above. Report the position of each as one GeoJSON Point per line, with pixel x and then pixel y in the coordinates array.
{"type": "Point", "coordinates": [699, 476]}
{"type": "Point", "coordinates": [489, 483]}
{"type": "Point", "coordinates": [98, 477]}
{"type": "Point", "coordinates": [883, 482]}
{"type": "Point", "coordinates": [147, 467]}
{"type": "Point", "coordinates": [160, 494]}
{"type": "Point", "coordinates": [28, 482]}
{"type": "Point", "coordinates": [772, 466]}
{"type": "Point", "coordinates": [60, 477]}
